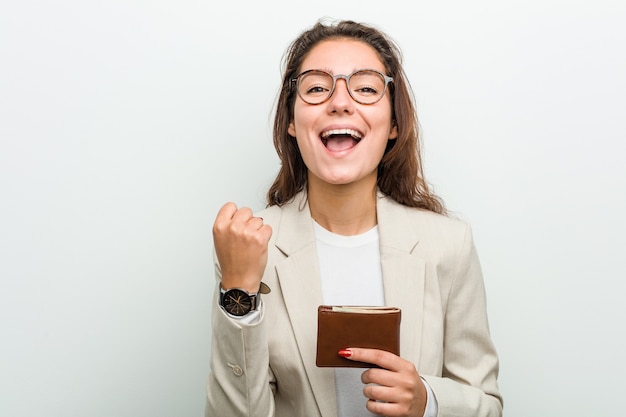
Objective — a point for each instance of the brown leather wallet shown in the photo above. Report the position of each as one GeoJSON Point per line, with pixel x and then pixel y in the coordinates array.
{"type": "Point", "coordinates": [340, 327]}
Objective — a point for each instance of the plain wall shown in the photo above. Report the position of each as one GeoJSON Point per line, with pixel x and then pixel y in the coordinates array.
{"type": "Point", "coordinates": [125, 125]}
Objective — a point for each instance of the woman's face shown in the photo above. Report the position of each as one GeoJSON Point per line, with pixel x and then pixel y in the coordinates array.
{"type": "Point", "coordinates": [342, 141]}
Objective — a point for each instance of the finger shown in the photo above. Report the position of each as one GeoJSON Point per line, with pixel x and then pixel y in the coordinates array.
{"type": "Point", "coordinates": [223, 218]}
{"type": "Point", "coordinates": [382, 358]}
{"type": "Point", "coordinates": [266, 231]}
{"type": "Point", "coordinates": [227, 211]}
{"type": "Point", "coordinates": [377, 376]}
{"type": "Point", "coordinates": [259, 231]}
{"type": "Point", "coordinates": [380, 393]}
{"type": "Point", "coordinates": [382, 408]}
{"type": "Point", "coordinates": [255, 223]}
{"type": "Point", "coordinates": [244, 214]}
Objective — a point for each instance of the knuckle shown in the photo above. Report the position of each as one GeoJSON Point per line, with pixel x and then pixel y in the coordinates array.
{"type": "Point", "coordinates": [232, 228]}
{"type": "Point", "coordinates": [260, 239]}
{"type": "Point", "coordinates": [378, 355]}
{"type": "Point", "coordinates": [267, 232]}
{"type": "Point", "coordinates": [373, 391]}
{"type": "Point", "coordinates": [372, 374]}
{"type": "Point", "coordinates": [245, 212]}
{"type": "Point", "coordinates": [218, 227]}
{"type": "Point", "coordinates": [374, 406]}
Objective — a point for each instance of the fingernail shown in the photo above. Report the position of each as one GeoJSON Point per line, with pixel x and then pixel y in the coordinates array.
{"type": "Point", "coordinates": [345, 353]}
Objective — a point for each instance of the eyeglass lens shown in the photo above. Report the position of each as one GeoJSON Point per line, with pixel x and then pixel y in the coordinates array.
{"type": "Point", "coordinates": [365, 86]}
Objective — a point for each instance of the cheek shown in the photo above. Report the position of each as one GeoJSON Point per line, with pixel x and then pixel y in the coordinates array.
{"type": "Point", "coordinates": [296, 124]}
{"type": "Point", "coordinates": [304, 117]}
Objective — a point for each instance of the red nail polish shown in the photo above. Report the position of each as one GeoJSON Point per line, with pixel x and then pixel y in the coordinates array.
{"type": "Point", "coordinates": [345, 353]}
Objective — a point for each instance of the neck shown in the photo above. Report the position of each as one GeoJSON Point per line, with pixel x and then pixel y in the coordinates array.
{"type": "Point", "coordinates": [347, 210]}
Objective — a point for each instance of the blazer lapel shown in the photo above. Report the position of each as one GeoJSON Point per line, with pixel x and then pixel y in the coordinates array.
{"type": "Point", "coordinates": [299, 279]}
{"type": "Point", "coordinates": [403, 272]}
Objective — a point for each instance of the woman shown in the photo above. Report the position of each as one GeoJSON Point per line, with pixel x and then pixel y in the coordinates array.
{"type": "Point", "coordinates": [350, 221]}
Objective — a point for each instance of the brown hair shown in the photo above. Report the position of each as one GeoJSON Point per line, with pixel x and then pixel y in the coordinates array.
{"type": "Point", "coordinates": [400, 173]}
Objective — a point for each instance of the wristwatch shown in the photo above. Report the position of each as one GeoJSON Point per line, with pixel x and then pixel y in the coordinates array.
{"type": "Point", "coordinates": [239, 302]}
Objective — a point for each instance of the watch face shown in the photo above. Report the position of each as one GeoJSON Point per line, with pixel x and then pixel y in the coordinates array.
{"type": "Point", "coordinates": [237, 302]}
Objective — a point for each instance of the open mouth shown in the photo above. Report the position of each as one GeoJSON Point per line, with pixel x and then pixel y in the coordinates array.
{"type": "Point", "coordinates": [340, 139]}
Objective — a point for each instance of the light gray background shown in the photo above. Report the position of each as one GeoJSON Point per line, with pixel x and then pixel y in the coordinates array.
{"type": "Point", "coordinates": [125, 125]}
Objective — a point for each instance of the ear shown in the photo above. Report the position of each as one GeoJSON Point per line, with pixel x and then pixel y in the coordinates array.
{"type": "Point", "coordinates": [291, 129]}
{"type": "Point", "coordinates": [393, 132]}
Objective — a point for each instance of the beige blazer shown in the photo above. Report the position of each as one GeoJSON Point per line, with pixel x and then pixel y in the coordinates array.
{"type": "Point", "coordinates": [430, 270]}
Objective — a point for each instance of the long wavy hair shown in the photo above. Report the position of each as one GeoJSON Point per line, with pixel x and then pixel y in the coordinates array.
{"type": "Point", "coordinates": [400, 172]}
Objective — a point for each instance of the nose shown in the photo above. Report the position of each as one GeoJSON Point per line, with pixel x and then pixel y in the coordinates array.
{"type": "Point", "coordinates": [340, 100]}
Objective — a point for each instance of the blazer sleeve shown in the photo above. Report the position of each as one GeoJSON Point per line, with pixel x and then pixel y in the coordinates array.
{"type": "Point", "coordinates": [240, 382]}
{"type": "Point", "coordinates": [468, 384]}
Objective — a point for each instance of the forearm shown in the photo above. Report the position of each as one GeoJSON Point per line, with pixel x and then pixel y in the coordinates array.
{"type": "Point", "coordinates": [455, 398]}
{"type": "Point", "coordinates": [467, 384]}
{"type": "Point", "coordinates": [239, 380]}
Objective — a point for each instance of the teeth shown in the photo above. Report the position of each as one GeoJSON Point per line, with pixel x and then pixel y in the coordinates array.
{"type": "Point", "coordinates": [350, 132]}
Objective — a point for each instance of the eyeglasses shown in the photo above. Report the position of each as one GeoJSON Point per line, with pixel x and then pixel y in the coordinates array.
{"type": "Point", "coordinates": [366, 86]}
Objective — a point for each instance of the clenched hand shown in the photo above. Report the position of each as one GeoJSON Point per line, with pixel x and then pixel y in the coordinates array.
{"type": "Point", "coordinates": [240, 241]}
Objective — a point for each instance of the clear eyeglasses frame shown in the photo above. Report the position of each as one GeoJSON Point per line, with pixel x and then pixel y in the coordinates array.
{"type": "Point", "coordinates": [365, 86]}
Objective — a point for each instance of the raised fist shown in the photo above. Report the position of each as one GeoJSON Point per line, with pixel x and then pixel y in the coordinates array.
{"type": "Point", "coordinates": [240, 241]}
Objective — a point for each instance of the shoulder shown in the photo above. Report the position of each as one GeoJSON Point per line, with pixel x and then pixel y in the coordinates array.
{"type": "Point", "coordinates": [442, 241]}
{"type": "Point", "coordinates": [429, 235]}
{"type": "Point", "coordinates": [270, 214]}
{"type": "Point", "coordinates": [422, 221]}
{"type": "Point", "coordinates": [291, 212]}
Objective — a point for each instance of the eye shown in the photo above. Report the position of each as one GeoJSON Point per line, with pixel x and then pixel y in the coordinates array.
{"type": "Point", "coordinates": [367, 83]}
{"type": "Point", "coordinates": [315, 84]}
{"type": "Point", "coordinates": [316, 89]}
{"type": "Point", "coordinates": [366, 90]}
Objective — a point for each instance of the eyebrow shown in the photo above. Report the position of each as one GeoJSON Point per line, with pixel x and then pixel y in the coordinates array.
{"type": "Point", "coordinates": [330, 71]}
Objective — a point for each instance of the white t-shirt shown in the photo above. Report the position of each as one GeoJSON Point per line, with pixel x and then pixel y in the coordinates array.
{"type": "Point", "coordinates": [350, 275]}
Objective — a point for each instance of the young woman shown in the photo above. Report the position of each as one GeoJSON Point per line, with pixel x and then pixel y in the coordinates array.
{"type": "Point", "coordinates": [350, 221]}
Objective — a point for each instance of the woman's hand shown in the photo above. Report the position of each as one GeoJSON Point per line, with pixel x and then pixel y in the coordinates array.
{"type": "Point", "coordinates": [394, 390]}
{"type": "Point", "coordinates": [240, 241]}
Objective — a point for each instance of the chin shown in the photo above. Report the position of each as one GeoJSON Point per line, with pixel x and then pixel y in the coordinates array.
{"type": "Point", "coordinates": [343, 180]}
{"type": "Point", "coordinates": [339, 180]}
